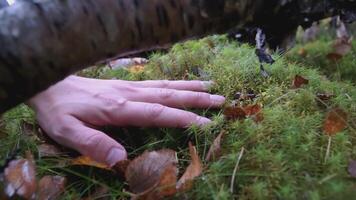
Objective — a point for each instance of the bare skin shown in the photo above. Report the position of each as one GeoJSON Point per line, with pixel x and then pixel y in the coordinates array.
{"type": "Point", "coordinates": [70, 110]}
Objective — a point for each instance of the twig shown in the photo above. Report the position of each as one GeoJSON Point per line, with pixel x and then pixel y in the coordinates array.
{"type": "Point", "coordinates": [327, 154]}
{"type": "Point", "coordinates": [235, 170]}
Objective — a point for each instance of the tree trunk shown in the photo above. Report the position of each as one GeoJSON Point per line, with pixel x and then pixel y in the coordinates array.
{"type": "Point", "coordinates": [43, 41]}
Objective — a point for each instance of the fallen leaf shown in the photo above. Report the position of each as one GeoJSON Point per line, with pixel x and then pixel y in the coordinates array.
{"type": "Point", "coordinates": [254, 111]}
{"type": "Point", "coordinates": [20, 178]}
{"type": "Point", "coordinates": [50, 187]}
{"type": "Point", "coordinates": [48, 150]}
{"type": "Point", "coordinates": [153, 174]}
{"type": "Point", "coordinates": [333, 56]}
{"type": "Point", "coordinates": [336, 121]}
{"type": "Point", "coordinates": [194, 170]}
{"type": "Point", "coordinates": [299, 81]}
{"type": "Point", "coordinates": [215, 149]}
{"type": "Point", "coordinates": [341, 47]}
{"type": "Point", "coordinates": [234, 113]}
{"type": "Point", "coordinates": [352, 168]}
{"type": "Point", "coordinates": [87, 161]}
{"type": "Point", "coordinates": [239, 113]}
{"type": "Point", "coordinates": [121, 167]}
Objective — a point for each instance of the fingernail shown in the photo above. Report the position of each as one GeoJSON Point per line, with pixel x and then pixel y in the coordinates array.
{"type": "Point", "coordinates": [207, 84]}
{"type": "Point", "coordinates": [217, 99]}
{"type": "Point", "coordinates": [115, 155]}
{"type": "Point", "coordinates": [201, 121]}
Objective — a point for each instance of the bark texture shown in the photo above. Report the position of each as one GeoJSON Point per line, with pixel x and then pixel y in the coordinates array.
{"type": "Point", "coordinates": [42, 41]}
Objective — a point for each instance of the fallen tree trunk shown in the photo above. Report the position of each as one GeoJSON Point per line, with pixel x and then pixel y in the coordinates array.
{"type": "Point", "coordinates": [41, 42]}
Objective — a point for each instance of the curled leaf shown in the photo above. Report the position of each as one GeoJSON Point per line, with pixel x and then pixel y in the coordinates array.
{"type": "Point", "coordinates": [215, 149]}
{"type": "Point", "coordinates": [299, 81]}
{"type": "Point", "coordinates": [50, 187]}
{"type": "Point", "coordinates": [20, 178]}
{"type": "Point", "coordinates": [336, 121]}
{"type": "Point", "coordinates": [194, 170]}
{"type": "Point", "coordinates": [341, 47]}
{"type": "Point", "coordinates": [153, 174]}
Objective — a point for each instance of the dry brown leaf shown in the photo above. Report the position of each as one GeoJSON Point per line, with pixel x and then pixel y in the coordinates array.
{"type": "Point", "coordinates": [299, 81]}
{"type": "Point", "coordinates": [194, 170]}
{"type": "Point", "coordinates": [121, 166]}
{"type": "Point", "coordinates": [87, 161]}
{"type": "Point", "coordinates": [234, 113]}
{"type": "Point", "coordinates": [20, 178]}
{"type": "Point", "coordinates": [153, 174]}
{"type": "Point", "coordinates": [48, 150]}
{"type": "Point", "coordinates": [239, 113]}
{"type": "Point", "coordinates": [215, 149]}
{"type": "Point", "coordinates": [336, 121]}
{"type": "Point", "coordinates": [341, 47]}
{"type": "Point", "coordinates": [254, 111]}
{"type": "Point", "coordinates": [50, 187]}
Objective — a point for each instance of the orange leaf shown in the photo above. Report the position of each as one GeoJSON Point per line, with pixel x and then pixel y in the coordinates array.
{"type": "Point", "coordinates": [336, 121]}
{"type": "Point", "coordinates": [254, 111]}
{"type": "Point", "coordinates": [87, 161]}
{"type": "Point", "coordinates": [153, 175]}
{"type": "Point", "coordinates": [299, 81]}
{"type": "Point", "coordinates": [194, 170]}
{"type": "Point", "coordinates": [341, 47]}
{"type": "Point", "coordinates": [234, 113]}
{"type": "Point", "coordinates": [215, 149]}
{"type": "Point", "coordinates": [302, 52]}
{"type": "Point", "coordinates": [50, 187]}
{"type": "Point", "coordinates": [239, 113]}
{"type": "Point", "coordinates": [20, 178]}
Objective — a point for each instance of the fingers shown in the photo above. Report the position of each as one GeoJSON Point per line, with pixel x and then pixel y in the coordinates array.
{"type": "Point", "coordinates": [90, 142]}
{"type": "Point", "coordinates": [178, 85]}
{"type": "Point", "coordinates": [177, 98]}
{"type": "Point", "coordinates": [111, 110]}
{"type": "Point", "coordinates": [152, 115]}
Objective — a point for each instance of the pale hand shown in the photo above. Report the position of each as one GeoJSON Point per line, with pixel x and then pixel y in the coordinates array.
{"type": "Point", "coordinates": [70, 110]}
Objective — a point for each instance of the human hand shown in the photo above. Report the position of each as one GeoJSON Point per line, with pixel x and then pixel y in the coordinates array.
{"type": "Point", "coordinates": [70, 110]}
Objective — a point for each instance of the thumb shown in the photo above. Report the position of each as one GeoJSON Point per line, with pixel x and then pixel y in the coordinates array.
{"type": "Point", "coordinates": [90, 142]}
{"type": "Point", "coordinates": [100, 147]}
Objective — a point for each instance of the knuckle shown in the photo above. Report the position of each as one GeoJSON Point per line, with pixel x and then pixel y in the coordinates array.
{"type": "Point", "coordinates": [164, 83]}
{"type": "Point", "coordinates": [111, 103]}
{"type": "Point", "coordinates": [198, 96]}
{"type": "Point", "coordinates": [92, 142]}
{"type": "Point", "coordinates": [165, 93]}
{"type": "Point", "coordinates": [154, 110]}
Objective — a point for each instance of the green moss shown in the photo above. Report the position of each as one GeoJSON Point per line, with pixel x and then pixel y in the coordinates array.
{"type": "Point", "coordinates": [285, 155]}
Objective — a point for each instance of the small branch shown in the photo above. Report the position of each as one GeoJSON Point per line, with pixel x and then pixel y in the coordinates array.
{"type": "Point", "coordinates": [235, 169]}
{"type": "Point", "coordinates": [327, 154]}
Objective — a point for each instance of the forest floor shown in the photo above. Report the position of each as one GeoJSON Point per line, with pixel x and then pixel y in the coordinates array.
{"type": "Point", "coordinates": [283, 152]}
